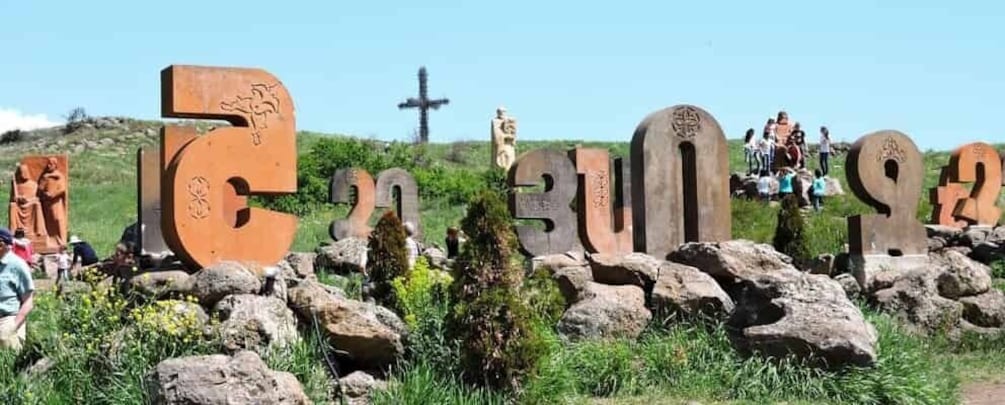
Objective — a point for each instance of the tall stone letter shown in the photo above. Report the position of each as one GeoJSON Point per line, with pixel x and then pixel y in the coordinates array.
{"type": "Point", "coordinates": [977, 163]}
{"type": "Point", "coordinates": [944, 198]}
{"type": "Point", "coordinates": [602, 191]}
{"type": "Point", "coordinates": [356, 224]}
{"type": "Point", "coordinates": [205, 219]}
{"type": "Point", "coordinates": [553, 206]}
{"type": "Point", "coordinates": [680, 180]}
{"type": "Point", "coordinates": [407, 205]}
{"type": "Point", "coordinates": [885, 171]}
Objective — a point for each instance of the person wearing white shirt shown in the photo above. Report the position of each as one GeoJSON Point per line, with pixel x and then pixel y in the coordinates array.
{"type": "Point", "coordinates": [825, 150]}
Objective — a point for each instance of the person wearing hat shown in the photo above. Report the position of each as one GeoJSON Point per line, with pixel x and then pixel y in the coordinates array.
{"type": "Point", "coordinates": [82, 251]}
{"type": "Point", "coordinates": [16, 294]}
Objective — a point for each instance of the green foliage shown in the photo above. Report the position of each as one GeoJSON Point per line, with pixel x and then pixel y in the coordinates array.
{"type": "Point", "coordinates": [422, 296]}
{"type": "Point", "coordinates": [419, 289]}
{"type": "Point", "coordinates": [421, 384]}
{"type": "Point", "coordinates": [386, 258]}
{"type": "Point", "coordinates": [544, 298]}
{"type": "Point", "coordinates": [790, 235]}
{"type": "Point", "coordinates": [499, 347]}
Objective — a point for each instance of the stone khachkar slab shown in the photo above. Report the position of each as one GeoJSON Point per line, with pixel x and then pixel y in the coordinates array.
{"type": "Point", "coordinates": [149, 169]}
{"type": "Point", "coordinates": [885, 170]}
{"type": "Point", "coordinates": [553, 206]}
{"type": "Point", "coordinates": [944, 198]}
{"type": "Point", "coordinates": [604, 203]}
{"type": "Point", "coordinates": [40, 201]}
{"type": "Point", "coordinates": [345, 185]}
{"type": "Point", "coordinates": [394, 188]}
{"type": "Point", "coordinates": [205, 217]}
{"type": "Point", "coordinates": [680, 180]}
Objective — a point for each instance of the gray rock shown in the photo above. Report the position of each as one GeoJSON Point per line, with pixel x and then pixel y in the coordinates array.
{"type": "Point", "coordinates": [987, 252]}
{"type": "Point", "coordinates": [638, 269]}
{"type": "Point", "coordinates": [687, 291]}
{"type": "Point", "coordinates": [159, 284]}
{"type": "Point", "coordinates": [606, 312]}
{"type": "Point", "coordinates": [914, 298]}
{"type": "Point", "coordinates": [851, 287]}
{"type": "Point", "coordinates": [345, 256]}
{"type": "Point", "coordinates": [823, 264]}
{"type": "Point", "coordinates": [943, 231]}
{"type": "Point", "coordinates": [959, 275]}
{"type": "Point", "coordinates": [997, 236]}
{"type": "Point", "coordinates": [572, 281]}
{"type": "Point", "coordinates": [437, 258]}
{"type": "Point", "coordinates": [352, 327]}
{"type": "Point", "coordinates": [973, 235]}
{"type": "Point", "coordinates": [358, 386]}
{"type": "Point", "coordinates": [832, 187]}
{"type": "Point", "coordinates": [222, 380]}
{"type": "Point", "coordinates": [213, 283]}
{"type": "Point", "coordinates": [732, 260]}
{"type": "Point", "coordinates": [985, 310]}
{"type": "Point", "coordinates": [253, 322]}
{"type": "Point", "coordinates": [302, 263]}
{"type": "Point", "coordinates": [558, 261]}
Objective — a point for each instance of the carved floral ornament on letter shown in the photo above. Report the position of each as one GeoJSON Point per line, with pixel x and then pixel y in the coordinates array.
{"type": "Point", "coordinates": [686, 122]}
{"type": "Point", "coordinates": [256, 108]}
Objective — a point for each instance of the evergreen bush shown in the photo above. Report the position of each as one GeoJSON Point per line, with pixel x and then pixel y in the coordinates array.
{"type": "Point", "coordinates": [386, 258]}
{"type": "Point", "coordinates": [790, 234]}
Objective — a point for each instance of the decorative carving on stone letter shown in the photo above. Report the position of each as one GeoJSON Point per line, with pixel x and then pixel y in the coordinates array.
{"type": "Point", "coordinates": [603, 228]}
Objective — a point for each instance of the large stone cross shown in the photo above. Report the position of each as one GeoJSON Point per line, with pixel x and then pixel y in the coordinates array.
{"type": "Point", "coordinates": [423, 103]}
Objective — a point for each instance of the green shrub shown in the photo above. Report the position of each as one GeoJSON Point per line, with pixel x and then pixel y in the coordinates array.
{"type": "Point", "coordinates": [544, 298]}
{"type": "Point", "coordinates": [417, 291]}
{"type": "Point", "coordinates": [499, 347]}
{"type": "Point", "coordinates": [790, 236]}
{"type": "Point", "coordinates": [386, 258]}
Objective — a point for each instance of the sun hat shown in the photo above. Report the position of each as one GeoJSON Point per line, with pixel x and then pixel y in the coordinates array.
{"type": "Point", "coordinates": [74, 239]}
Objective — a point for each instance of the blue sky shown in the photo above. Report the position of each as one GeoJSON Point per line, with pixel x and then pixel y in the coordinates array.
{"type": "Point", "coordinates": [572, 70]}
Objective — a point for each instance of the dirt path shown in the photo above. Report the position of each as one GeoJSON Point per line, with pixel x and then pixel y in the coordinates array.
{"type": "Point", "coordinates": [984, 392]}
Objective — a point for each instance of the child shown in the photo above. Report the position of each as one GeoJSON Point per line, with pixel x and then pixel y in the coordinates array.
{"type": "Point", "coordinates": [62, 265]}
{"type": "Point", "coordinates": [750, 152]}
{"type": "Point", "coordinates": [818, 190]}
{"type": "Point", "coordinates": [785, 183]}
{"type": "Point", "coordinates": [22, 247]}
{"type": "Point", "coordinates": [764, 186]}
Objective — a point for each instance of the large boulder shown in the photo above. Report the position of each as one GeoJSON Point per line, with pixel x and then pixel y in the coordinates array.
{"type": "Point", "coordinates": [638, 269]}
{"type": "Point", "coordinates": [213, 283]}
{"type": "Point", "coordinates": [959, 275]}
{"type": "Point", "coordinates": [914, 297]}
{"type": "Point", "coordinates": [606, 311]}
{"type": "Point", "coordinates": [572, 281]}
{"type": "Point", "coordinates": [780, 310]}
{"type": "Point", "coordinates": [686, 291]}
{"type": "Point", "coordinates": [302, 263]}
{"type": "Point", "coordinates": [358, 386]}
{"type": "Point", "coordinates": [345, 256]}
{"type": "Point", "coordinates": [985, 310]}
{"type": "Point", "coordinates": [352, 327]}
{"type": "Point", "coordinates": [255, 322]}
{"type": "Point", "coordinates": [222, 380]}
{"type": "Point", "coordinates": [559, 260]}
{"type": "Point", "coordinates": [160, 284]}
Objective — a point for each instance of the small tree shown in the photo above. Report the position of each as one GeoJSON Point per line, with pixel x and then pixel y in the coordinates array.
{"type": "Point", "coordinates": [386, 258]}
{"type": "Point", "coordinates": [790, 237]}
{"type": "Point", "coordinates": [491, 321]}
{"type": "Point", "coordinates": [75, 120]}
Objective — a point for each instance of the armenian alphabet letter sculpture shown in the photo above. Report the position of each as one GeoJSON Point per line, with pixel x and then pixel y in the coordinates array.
{"type": "Point", "coordinates": [978, 208]}
{"type": "Point", "coordinates": [598, 230]}
{"type": "Point", "coordinates": [944, 198]}
{"type": "Point", "coordinates": [39, 201]}
{"type": "Point", "coordinates": [503, 139]}
{"type": "Point", "coordinates": [677, 196]}
{"type": "Point", "coordinates": [149, 169]}
{"type": "Point", "coordinates": [885, 171]}
{"type": "Point", "coordinates": [553, 206]}
{"type": "Point", "coordinates": [370, 196]}
{"type": "Point", "coordinates": [207, 179]}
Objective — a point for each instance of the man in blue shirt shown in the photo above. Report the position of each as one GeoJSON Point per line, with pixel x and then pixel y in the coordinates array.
{"type": "Point", "coordinates": [82, 251]}
{"type": "Point", "coordinates": [16, 294]}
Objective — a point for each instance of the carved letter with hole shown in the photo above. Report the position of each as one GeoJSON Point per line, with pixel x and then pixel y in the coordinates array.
{"type": "Point", "coordinates": [343, 183]}
{"type": "Point", "coordinates": [977, 163]}
{"type": "Point", "coordinates": [605, 224]}
{"type": "Point", "coordinates": [207, 179]}
{"type": "Point", "coordinates": [553, 206]}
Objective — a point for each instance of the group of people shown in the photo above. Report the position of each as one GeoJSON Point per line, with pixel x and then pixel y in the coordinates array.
{"type": "Point", "coordinates": [760, 154]}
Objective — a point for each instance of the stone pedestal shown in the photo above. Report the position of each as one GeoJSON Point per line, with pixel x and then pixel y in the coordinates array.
{"type": "Point", "coordinates": [873, 272]}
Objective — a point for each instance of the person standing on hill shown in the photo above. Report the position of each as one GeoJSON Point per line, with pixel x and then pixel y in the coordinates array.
{"type": "Point", "coordinates": [82, 251]}
{"type": "Point", "coordinates": [764, 186]}
{"type": "Point", "coordinates": [453, 243]}
{"type": "Point", "coordinates": [751, 153]}
{"type": "Point", "coordinates": [62, 265]}
{"type": "Point", "coordinates": [16, 294]}
{"type": "Point", "coordinates": [825, 150]}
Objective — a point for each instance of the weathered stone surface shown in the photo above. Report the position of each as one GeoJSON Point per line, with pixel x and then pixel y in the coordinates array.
{"type": "Point", "coordinates": [914, 297]}
{"type": "Point", "coordinates": [200, 199]}
{"type": "Point", "coordinates": [986, 310]}
{"type": "Point", "coordinates": [732, 260]}
{"type": "Point", "coordinates": [302, 263]}
{"type": "Point", "coordinates": [254, 322]}
{"type": "Point", "coordinates": [559, 260]}
{"type": "Point", "coordinates": [39, 201]}
{"type": "Point", "coordinates": [673, 204]}
{"type": "Point", "coordinates": [944, 197]}
{"type": "Point", "coordinates": [997, 236]}
{"type": "Point", "coordinates": [979, 209]}
{"type": "Point", "coordinates": [605, 222]}
{"type": "Point", "coordinates": [344, 256]}
{"type": "Point", "coordinates": [553, 205]}
{"type": "Point", "coordinates": [161, 283]}
{"type": "Point", "coordinates": [849, 284]}
{"type": "Point", "coordinates": [687, 291]}
{"type": "Point", "coordinates": [606, 312]}
{"type": "Point", "coordinates": [823, 264]}
{"type": "Point", "coordinates": [572, 281]}
{"type": "Point", "coordinates": [946, 232]}
{"type": "Point", "coordinates": [351, 326]}
{"type": "Point", "coordinates": [358, 386]}
{"type": "Point", "coordinates": [898, 232]}
{"type": "Point", "coordinates": [789, 312]}
{"type": "Point", "coordinates": [832, 187]}
{"type": "Point", "coordinates": [213, 283]}
{"type": "Point", "coordinates": [345, 184]}
{"type": "Point", "coordinates": [407, 203]}
{"type": "Point", "coordinates": [637, 269]}
{"type": "Point", "coordinates": [436, 257]}
{"type": "Point", "coordinates": [148, 238]}
{"type": "Point", "coordinates": [222, 380]}
{"type": "Point", "coordinates": [959, 275]}
{"type": "Point", "coordinates": [973, 236]}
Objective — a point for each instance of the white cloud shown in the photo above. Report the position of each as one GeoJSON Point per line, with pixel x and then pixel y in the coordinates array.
{"type": "Point", "coordinates": [14, 119]}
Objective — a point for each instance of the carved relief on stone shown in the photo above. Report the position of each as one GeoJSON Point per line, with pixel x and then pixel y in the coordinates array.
{"type": "Point", "coordinates": [207, 179]}
{"type": "Point", "coordinates": [503, 139]}
{"type": "Point", "coordinates": [603, 228]}
{"type": "Point", "coordinates": [686, 122]}
{"type": "Point", "coordinates": [39, 201]}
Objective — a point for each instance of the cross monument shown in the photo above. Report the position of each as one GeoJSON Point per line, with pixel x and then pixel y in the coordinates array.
{"type": "Point", "coordinates": [423, 103]}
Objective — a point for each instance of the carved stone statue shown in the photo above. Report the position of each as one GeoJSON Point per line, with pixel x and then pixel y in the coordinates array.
{"type": "Point", "coordinates": [25, 207]}
{"type": "Point", "coordinates": [503, 139]}
{"type": "Point", "coordinates": [52, 193]}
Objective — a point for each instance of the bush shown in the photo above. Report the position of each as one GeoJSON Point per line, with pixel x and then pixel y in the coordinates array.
{"type": "Point", "coordinates": [422, 297]}
{"type": "Point", "coordinates": [499, 346]}
{"type": "Point", "coordinates": [75, 120]}
{"type": "Point", "coordinates": [790, 235]}
{"type": "Point", "coordinates": [386, 258]}
{"type": "Point", "coordinates": [11, 136]}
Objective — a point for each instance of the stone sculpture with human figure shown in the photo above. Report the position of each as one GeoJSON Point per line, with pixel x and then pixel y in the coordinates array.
{"type": "Point", "coordinates": [39, 201]}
